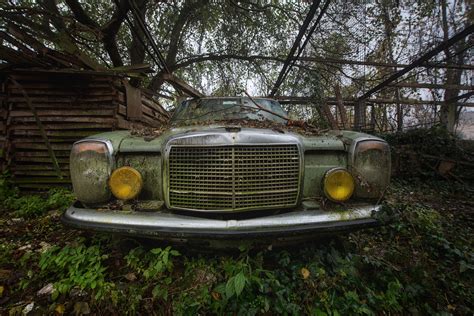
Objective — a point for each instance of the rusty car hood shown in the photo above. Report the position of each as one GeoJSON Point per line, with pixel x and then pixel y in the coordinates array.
{"type": "Point", "coordinates": [125, 141]}
{"type": "Point", "coordinates": [198, 135]}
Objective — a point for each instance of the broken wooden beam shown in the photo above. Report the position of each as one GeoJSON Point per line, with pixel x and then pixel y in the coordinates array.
{"type": "Point", "coordinates": [182, 86]}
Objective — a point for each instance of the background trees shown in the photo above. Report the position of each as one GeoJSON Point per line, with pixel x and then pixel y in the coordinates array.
{"type": "Point", "coordinates": [224, 47]}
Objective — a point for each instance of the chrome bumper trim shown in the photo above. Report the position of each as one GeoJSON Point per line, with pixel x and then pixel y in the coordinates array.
{"type": "Point", "coordinates": [159, 224]}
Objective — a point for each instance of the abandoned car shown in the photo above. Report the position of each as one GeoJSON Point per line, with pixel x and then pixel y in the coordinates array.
{"type": "Point", "coordinates": [228, 168]}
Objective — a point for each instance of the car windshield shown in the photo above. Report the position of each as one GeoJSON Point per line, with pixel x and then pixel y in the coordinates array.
{"type": "Point", "coordinates": [222, 109]}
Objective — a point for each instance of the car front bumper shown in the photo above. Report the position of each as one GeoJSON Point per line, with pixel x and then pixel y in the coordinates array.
{"type": "Point", "coordinates": [167, 225]}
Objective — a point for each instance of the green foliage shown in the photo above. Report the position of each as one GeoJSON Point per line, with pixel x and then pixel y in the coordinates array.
{"type": "Point", "coordinates": [7, 190]}
{"type": "Point", "coordinates": [155, 267]}
{"type": "Point", "coordinates": [417, 152]}
{"type": "Point", "coordinates": [31, 205]}
{"type": "Point", "coordinates": [76, 266]}
{"type": "Point", "coordinates": [433, 141]}
{"type": "Point", "coordinates": [27, 206]}
{"type": "Point", "coordinates": [59, 199]}
{"type": "Point", "coordinates": [419, 262]}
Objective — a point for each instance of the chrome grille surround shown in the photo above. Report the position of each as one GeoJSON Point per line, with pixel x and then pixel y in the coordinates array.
{"type": "Point", "coordinates": [232, 177]}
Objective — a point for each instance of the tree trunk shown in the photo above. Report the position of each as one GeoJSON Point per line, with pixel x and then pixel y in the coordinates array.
{"type": "Point", "coordinates": [448, 113]}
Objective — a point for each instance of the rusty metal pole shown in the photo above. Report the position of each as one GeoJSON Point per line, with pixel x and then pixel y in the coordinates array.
{"type": "Point", "coordinates": [359, 115]}
{"type": "Point", "coordinates": [399, 111]}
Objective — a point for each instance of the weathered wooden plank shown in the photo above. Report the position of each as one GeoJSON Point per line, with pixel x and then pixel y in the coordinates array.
{"type": "Point", "coordinates": [151, 121]}
{"type": "Point", "coordinates": [69, 126]}
{"type": "Point", "coordinates": [40, 160]}
{"type": "Point", "coordinates": [134, 105]}
{"type": "Point", "coordinates": [30, 188]}
{"type": "Point", "coordinates": [183, 86]}
{"type": "Point", "coordinates": [62, 99]}
{"type": "Point", "coordinates": [121, 97]}
{"type": "Point", "coordinates": [158, 117]}
{"type": "Point", "coordinates": [37, 146]}
{"type": "Point", "coordinates": [40, 180]}
{"type": "Point", "coordinates": [27, 154]}
{"type": "Point", "coordinates": [38, 173]}
{"type": "Point", "coordinates": [68, 105]}
{"type": "Point", "coordinates": [55, 134]}
{"type": "Point", "coordinates": [76, 119]}
{"type": "Point", "coordinates": [31, 139]}
{"type": "Point", "coordinates": [63, 112]}
{"type": "Point", "coordinates": [122, 109]}
{"type": "Point", "coordinates": [35, 75]}
{"type": "Point", "coordinates": [153, 105]}
{"type": "Point", "coordinates": [64, 92]}
{"type": "Point", "coordinates": [14, 167]}
{"type": "Point", "coordinates": [43, 83]}
{"type": "Point", "coordinates": [123, 123]}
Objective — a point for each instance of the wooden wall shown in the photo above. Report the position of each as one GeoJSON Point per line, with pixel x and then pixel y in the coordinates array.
{"type": "Point", "coordinates": [70, 107]}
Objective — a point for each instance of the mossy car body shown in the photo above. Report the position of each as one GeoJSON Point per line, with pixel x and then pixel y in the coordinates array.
{"type": "Point", "coordinates": [225, 180]}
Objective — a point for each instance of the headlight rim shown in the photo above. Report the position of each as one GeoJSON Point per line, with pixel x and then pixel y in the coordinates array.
{"type": "Point", "coordinates": [108, 145]}
{"type": "Point", "coordinates": [101, 192]}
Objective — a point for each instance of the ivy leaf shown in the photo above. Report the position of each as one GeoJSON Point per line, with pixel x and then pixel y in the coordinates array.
{"type": "Point", "coordinates": [156, 251]}
{"type": "Point", "coordinates": [239, 283]}
{"type": "Point", "coordinates": [230, 288]}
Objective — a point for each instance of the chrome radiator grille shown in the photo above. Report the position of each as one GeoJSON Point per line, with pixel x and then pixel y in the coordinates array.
{"type": "Point", "coordinates": [233, 177]}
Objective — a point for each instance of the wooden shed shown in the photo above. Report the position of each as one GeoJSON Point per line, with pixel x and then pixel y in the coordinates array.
{"type": "Point", "coordinates": [44, 111]}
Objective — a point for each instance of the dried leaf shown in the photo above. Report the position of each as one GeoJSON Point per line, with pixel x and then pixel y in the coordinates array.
{"type": "Point", "coordinates": [81, 308]}
{"type": "Point", "coordinates": [46, 290]}
{"type": "Point", "coordinates": [131, 276]}
{"type": "Point", "coordinates": [60, 309]}
{"type": "Point", "coordinates": [305, 273]}
{"type": "Point", "coordinates": [5, 274]}
{"type": "Point", "coordinates": [28, 308]}
{"type": "Point", "coordinates": [216, 296]}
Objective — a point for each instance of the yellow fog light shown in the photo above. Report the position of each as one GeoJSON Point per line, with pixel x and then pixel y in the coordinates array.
{"type": "Point", "coordinates": [125, 183]}
{"type": "Point", "coordinates": [338, 185]}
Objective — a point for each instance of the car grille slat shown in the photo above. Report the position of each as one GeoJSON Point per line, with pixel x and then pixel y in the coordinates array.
{"type": "Point", "coordinates": [233, 177]}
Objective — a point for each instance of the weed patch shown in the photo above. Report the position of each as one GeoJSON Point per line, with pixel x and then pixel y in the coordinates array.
{"type": "Point", "coordinates": [28, 206]}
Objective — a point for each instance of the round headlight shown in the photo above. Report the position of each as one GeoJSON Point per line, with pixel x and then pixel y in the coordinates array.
{"type": "Point", "coordinates": [125, 183]}
{"type": "Point", "coordinates": [338, 185]}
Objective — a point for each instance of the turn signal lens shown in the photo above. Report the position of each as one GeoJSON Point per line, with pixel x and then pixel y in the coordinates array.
{"type": "Point", "coordinates": [338, 185]}
{"type": "Point", "coordinates": [125, 183]}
